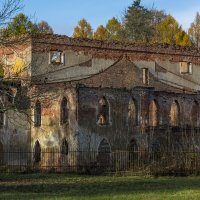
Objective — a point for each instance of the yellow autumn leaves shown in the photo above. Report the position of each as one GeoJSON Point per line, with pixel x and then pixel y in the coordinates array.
{"type": "Point", "coordinates": [14, 69]}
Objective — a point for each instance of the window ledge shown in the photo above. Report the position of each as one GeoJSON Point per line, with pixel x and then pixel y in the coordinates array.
{"type": "Point", "coordinates": [56, 64]}
{"type": "Point", "coordinates": [104, 125]}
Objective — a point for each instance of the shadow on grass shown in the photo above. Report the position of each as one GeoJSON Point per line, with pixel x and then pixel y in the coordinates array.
{"type": "Point", "coordinates": [41, 185]}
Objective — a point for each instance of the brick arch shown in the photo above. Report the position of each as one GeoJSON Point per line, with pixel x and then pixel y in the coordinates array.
{"type": "Point", "coordinates": [37, 152]}
{"type": "Point", "coordinates": [103, 116]}
{"type": "Point", "coordinates": [37, 114]}
{"type": "Point", "coordinates": [64, 111]}
{"type": "Point", "coordinates": [133, 153]}
{"type": "Point", "coordinates": [194, 114]}
{"type": "Point", "coordinates": [133, 146]}
{"type": "Point", "coordinates": [153, 113]}
{"type": "Point", "coordinates": [104, 146]}
{"type": "Point", "coordinates": [104, 153]}
{"type": "Point", "coordinates": [1, 153]}
{"type": "Point", "coordinates": [1, 115]}
{"type": "Point", "coordinates": [64, 147]}
{"type": "Point", "coordinates": [132, 112]}
{"type": "Point", "coordinates": [175, 114]}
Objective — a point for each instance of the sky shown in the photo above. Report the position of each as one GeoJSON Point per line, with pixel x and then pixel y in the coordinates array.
{"type": "Point", "coordinates": [63, 15]}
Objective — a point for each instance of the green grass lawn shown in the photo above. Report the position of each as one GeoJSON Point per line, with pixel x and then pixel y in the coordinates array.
{"type": "Point", "coordinates": [62, 186]}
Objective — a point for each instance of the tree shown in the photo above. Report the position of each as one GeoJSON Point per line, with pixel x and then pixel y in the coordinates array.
{"type": "Point", "coordinates": [169, 31]}
{"type": "Point", "coordinates": [83, 30]}
{"type": "Point", "coordinates": [20, 24]}
{"type": "Point", "coordinates": [194, 31]}
{"type": "Point", "coordinates": [101, 33]}
{"type": "Point", "coordinates": [44, 27]}
{"type": "Point", "coordinates": [138, 23]}
{"type": "Point", "coordinates": [7, 10]}
{"type": "Point", "coordinates": [157, 16]}
{"type": "Point", "coordinates": [114, 29]}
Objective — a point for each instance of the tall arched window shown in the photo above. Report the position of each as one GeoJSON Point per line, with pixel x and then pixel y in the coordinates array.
{"type": "Point", "coordinates": [64, 147]}
{"type": "Point", "coordinates": [103, 112]}
{"type": "Point", "coordinates": [133, 152]}
{"type": "Point", "coordinates": [132, 112]}
{"type": "Point", "coordinates": [133, 146]}
{"type": "Point", "coordinates": [37, 114]}
{"type": "Point", "coordinates": [64, 111]}
{"type": "Point", "coordinates": [153, 114]}
{"type": "Point", "coordinates": [37, 152]}
{"type": "Point", "coordinates": [104, 147]}
{"type": "Point", "coordinates": [1, 154]}
{"type": "Point", "coordinates": [175, 114]}
{"type": "Point", "coordinates": [104, 154]}
{"type": "Point", "coordinates": [194, 115]}
{"type": "Point", "coordinates": [1, 116]}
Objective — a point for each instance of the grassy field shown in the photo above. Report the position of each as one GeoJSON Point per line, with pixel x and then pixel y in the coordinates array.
{"type": "Point", "coordinates": [61, 186]}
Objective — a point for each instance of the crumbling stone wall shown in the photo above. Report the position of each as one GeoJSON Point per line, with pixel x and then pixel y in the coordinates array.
{"type": "Point", "coordinates": [94, 70]}
{"type": "Point", "coordinates": [125, 74]}
{"type": "Point", "coordinates": [52, 132]}
{"type": "Point", "coordinates": [104, 56]}
{"type": "Point", "coordinates": [14, 132]}
{"type": "Point", "coordinates": [118, 132]}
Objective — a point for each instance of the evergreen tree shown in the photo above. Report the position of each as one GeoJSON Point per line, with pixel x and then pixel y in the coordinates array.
{"type": "Point", "coordinates": [20, 24]}
{"type": "Point", "coordinates": [138, 23]}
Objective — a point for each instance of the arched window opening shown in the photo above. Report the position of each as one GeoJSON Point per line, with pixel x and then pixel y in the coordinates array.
{"type": "Point", "coordinates": [175, 114]}
{"type": "Point", "coordinates": [153, 114]}
{"type": "Point", "coordinates": [132, 112]}
{"type": "Point", "coordinates": [64, 111]}
{"type": "Point", "coordinates": [177, 146]}
{"type": "Point", "coordinates": [194, 114]}
{"type": "Point", "coordinates": [104, 147]}
{"type": "Point", "coordinates": [156, 149]}
{"type": "Point", "coordinates": [1, 154]}
{"type": "Point", "coordinates": [1, 116]}
{"type": "Point", "coordinates": [37, 114]}
{"type": "Point", "coordinates": [133, 146]}
{"type": "Point", "coordinates": [133, 153]}
{"type": "Point", "coordinates": [37, 152]}
{"type": "Point", "coordinates": [104, 152]}
{"type": "Point", "coordinates": [103, 115]}
{"type": "Point", "coordinates": [64, 147]}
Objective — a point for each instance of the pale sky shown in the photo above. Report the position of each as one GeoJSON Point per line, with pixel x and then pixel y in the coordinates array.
{"type": "Point", "coordinates": [63, 15]}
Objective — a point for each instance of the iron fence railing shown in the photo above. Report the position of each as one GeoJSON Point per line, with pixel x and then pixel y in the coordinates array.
{"type": "Point", "coordinates": [135, 162]}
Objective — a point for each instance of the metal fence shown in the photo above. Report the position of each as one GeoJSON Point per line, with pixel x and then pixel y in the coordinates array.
{"type": "Point", "coordinates": [134, 162]}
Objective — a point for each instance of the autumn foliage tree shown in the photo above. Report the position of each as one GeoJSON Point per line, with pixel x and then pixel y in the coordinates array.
{"type": "Point", "coordinates": [194, 31]}
{"type": "Point", "coordinates": [114, 29]}
{"type": "Point", "coordinates": [44, 27]}
{"type": "Point", "coordinates": [169, 31]}
{"type": "Point", "coordinates": [83, 30]}
{"type": "Point", "coordinates": [7, 10]}
{"type": "Point", "coordinates": [150, 25]}
{"type": "Point", "coordinates": [101, 33]}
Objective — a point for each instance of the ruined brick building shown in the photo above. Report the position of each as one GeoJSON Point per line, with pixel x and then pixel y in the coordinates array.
{"type": "Point", "coordinates": [87, 95]}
